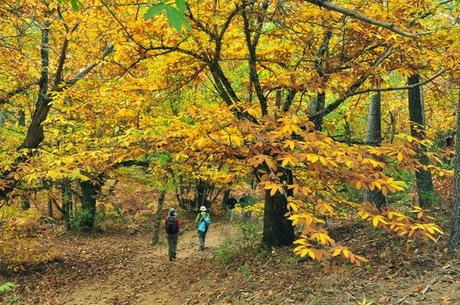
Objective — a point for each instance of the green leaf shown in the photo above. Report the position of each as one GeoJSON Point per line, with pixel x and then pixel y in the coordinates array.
{"type": "Point", "coordinates": [176, 19]}
{"type": "Point", "coordinates": [5, 287]}
{"type": "Point", "coordinates": [75, 4]}
{"type": "Point", "coordinates": [154, 10]}
{"type": "Point", "coordinates": [181, 6]}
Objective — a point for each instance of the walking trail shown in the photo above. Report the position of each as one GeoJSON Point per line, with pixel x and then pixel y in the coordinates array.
{"type": "Point", "coordinates": [147, 277]}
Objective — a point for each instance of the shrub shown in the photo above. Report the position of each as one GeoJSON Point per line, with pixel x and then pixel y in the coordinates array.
{"type": "Point", "coordinates": [82, 221]}
{"type": "Point", "coordinates": [225, 253]}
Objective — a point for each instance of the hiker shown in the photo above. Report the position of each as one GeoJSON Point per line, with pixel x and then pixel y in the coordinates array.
{"type": "Point", "coordinates": [202, 224]}
{"type": "Point", "coordinates": [231, 202]}
{"type": "Point", "coordinates": [172, 231]}
{"type": "Point", "coordinates": [246, 201]}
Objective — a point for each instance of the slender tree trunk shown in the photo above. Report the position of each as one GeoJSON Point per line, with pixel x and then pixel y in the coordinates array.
{"type": "Point", "coordinates": [35, 134]}
{"type": "Point", "coordinates": [278, 99]}
{"type": "Point", "coordinates": [454, 241]}
{"type": "Point", "coordinates": [89, 193]}
{"type": "Point", "coordinates": [25, 204]}
{"type": "Point", "coordinates": [157, 225]}
{"type": "Point", "coordinates": [66, 193]}
{"type": "Point", "coordinates": [423, 178]}
{"type": "Point", "coordinates": [316, 105]}
{"type": "Point", "coordinates": [278, 230]}
{"type": "Point", "coordinates": [21, 118]}
{"type": "Point", "coordinates": [225, 197]}
{"type": "Point", "coordinates": [2, 117]}
{"type": "Point", "coordinates": [374, 137]}
{"type": "Point", "coordinates": [200, 193]}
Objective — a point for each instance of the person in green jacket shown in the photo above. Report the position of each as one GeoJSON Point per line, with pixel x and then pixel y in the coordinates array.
{"type": "Point", "coordinates": [245, 202]}
{"type": "Point", "coordinates": [202, 222]}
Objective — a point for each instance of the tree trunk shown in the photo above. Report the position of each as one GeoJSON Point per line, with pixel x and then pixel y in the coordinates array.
{"type": "Point", "coordinates": [35, 133]}
{"type": "Point", "coordinates": [316, 105]}
{"type": "Point", "coordinates": [200, 193]}
{"type": "Point", "coordinates": [2, 117]}
{"type": "Point", "coordinates": [50, 208]}
{"type": "Point", "coordinates": [278, 230]}
{"type": "Point", "coordinates": [225, 197]}
{"type": "Point", "coordinates": [66, 193]}
{"type": "Point", "coordinates": [25, 204]}
{"type": "Point", "coordinates": [423, 178]}
{"type": "Point", "coordinates": [374, 137]}
{"type": "Point", "coordinates": [454, 241]}
{"type": "Point", "coordinates": [89, 193]}
{"type": "Point", "coordinates": [21, 118]}
{"type": "Point", "coordinates": [157, 225]}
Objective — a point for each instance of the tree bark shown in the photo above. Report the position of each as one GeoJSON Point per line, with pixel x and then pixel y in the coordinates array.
{"type": "Point", "coordinates": [423, 178]}
{"type": "Point", "coordinates": [66, 193]}
{"type": "Point", "coordinates": [454, 240]}
{"type": "Point", "coordinates": [316, 105]}
{"type": "Point", "coordinates": [89, 193]}
{"type": "Point", "coordinates": [278, 230]}
{"type": "Point", "coordinates": [374, 137]}
{"type": "Point", "coordinates": [21, 118]}
{"type": "Point", "coordinates": [50, 208]}
{"type": "Point", "coordinates": [200, 193]}
{"type": "Point", "coordinates": [35, 134]}
{"type": "Point", "coordinates": [2, 118]}
{"type": "Point", "coordinates": [225, 197]}
{"type": "Point", "coordinates": [157, 225]}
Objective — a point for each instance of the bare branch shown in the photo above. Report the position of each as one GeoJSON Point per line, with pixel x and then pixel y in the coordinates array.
{"type": "Point", "coordinates": [441, 72]}
{"type": "Point", "coordinates": [354, 14]}
{"type": "Point", "coordinates": [90, 67]}
{"type": "Point", "coordinates": [331, 107]}
{"type": "Point", "coordinates": [13, 92]}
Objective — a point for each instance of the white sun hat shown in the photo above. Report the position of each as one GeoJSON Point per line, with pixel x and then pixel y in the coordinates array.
{"type": "Point", "coordinates": [203, 208]}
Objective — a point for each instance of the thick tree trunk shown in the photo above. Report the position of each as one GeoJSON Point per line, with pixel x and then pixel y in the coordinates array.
{"type": "Point", "coordinates": [89, 193]}
{"type": "Point", "coordinates": [374, 137]}
{"type": "Point", "coordinates": [157, 225]}
{"type": "Point", "coordinates": [423, 178]}
{"type": "Point", "coordinates": [278, 230]}
{"type": "Point", "coordinates": [454, 241]}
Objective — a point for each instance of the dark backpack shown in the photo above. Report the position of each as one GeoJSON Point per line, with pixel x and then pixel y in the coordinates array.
{"type": "Point", "coordinates": [171, 227]}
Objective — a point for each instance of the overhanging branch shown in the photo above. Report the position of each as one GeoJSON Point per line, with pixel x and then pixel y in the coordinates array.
{"type": "Point", "coordinates": [354, 14]}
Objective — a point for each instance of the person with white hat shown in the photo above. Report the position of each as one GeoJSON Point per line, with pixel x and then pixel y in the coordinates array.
{"type": "Point", "coordinates": [202, 224]}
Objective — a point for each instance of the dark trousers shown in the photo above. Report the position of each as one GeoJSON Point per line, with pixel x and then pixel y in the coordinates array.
{"type": "Point", "coordinates": [172, 245]}
{"type": "Point", "coordinates": [202, 238]}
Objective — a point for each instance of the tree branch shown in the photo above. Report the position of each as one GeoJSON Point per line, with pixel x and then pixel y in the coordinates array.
{"type": "Point", "coordinates": [362, 17]}
{"type": "Point", "coordinates": [108, 49]}
{"type": "Point", "coordinates": [441, 72]}
{"type": "Point", "coordinates": [331, 107]}
{"type": "Point", "coordinates": [13, 92]}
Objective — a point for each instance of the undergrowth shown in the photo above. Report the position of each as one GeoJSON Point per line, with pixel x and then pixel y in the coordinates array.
{"type": "Point", "coordinates": [248, 240]}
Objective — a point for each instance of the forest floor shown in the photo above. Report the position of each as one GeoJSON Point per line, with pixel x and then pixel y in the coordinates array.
{"type": "Point", "coordinates": [120, 269]}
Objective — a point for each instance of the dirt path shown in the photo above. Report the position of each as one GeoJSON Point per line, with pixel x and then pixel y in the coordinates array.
{"type": "Point", "coordinates": [119, 269]}
{"type": "Point", "coordinates": [148, 277]}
